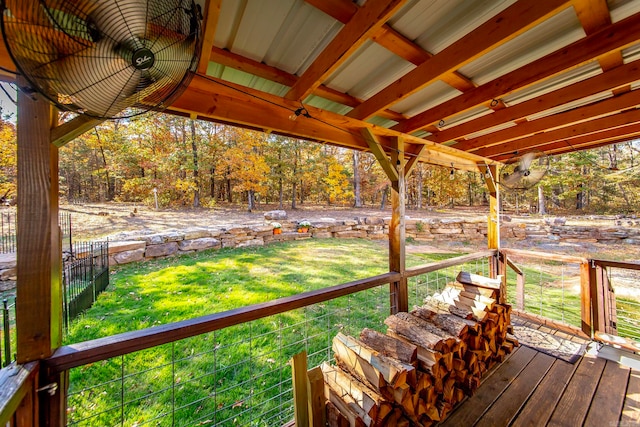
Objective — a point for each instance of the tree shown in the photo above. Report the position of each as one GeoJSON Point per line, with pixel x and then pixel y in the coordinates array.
{"type": "Point", "coordinates": [8, 159]}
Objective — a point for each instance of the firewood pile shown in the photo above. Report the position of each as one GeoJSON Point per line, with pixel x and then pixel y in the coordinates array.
{"type": "Point", "coordinates": [428, 361]}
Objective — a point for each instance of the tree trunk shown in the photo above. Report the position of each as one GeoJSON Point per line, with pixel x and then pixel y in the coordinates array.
{"type": "Point", "coordinates": [251, 199]}
{"type": "Point", "coordinates": [229, 196]}
{"type": "Point", "coordinates": [294, 187]}
{"type": "Point", "coordinates": [109, 185]}
{"type": "Point", "coordinates": [542, 208]}
{"type": "Point", "coordinates": [194, 151]}
{"type": "Point", "coordinates": [419, 187]}
{"type": "Point", "coordinates": [280, 193]}
{"type": "Point", "coordinates": [357, 196]}
{"type": "Point", "coordinates": [212, 183]}
{"type": "Point", "coordinates": [383, 203]}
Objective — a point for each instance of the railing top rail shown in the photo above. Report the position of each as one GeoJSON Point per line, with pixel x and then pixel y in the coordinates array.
{"type": "Point", "coordinates": [83, 353]}
{"type": "Point", "coordinates": [618, 264]}
{"type": "Point", "coordinates": [438, 265]}
{"type": "Point", "coordinates": [544, 255]}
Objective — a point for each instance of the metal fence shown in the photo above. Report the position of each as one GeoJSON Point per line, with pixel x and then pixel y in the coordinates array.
{"type": "Point", "coordinates": [85, 276]}
{"type": "Point", "coordinates": [9, 232]}
{"type": "Point", "coordinates": [7, 341]}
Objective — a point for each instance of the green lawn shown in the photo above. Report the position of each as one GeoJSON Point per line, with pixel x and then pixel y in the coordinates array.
{"type": "Point", "coordinates": [235, 376]}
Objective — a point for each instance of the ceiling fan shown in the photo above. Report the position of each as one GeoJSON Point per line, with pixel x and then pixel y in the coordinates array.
{"type": "Point", "coordinates": [522, 172]}
{"type": "Point", "coordinates": [104, 58]}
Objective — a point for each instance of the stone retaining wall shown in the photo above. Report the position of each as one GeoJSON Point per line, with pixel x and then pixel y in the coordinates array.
{"type": "Point", "coordinates": [131, 247]}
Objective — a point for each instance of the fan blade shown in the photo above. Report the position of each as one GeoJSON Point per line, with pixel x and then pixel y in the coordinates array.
{"type": "Point", "coordinates": [512, 179]}
{"type": "Point", "coordinates": [98, 81]}
{"type": "Point", "coordinates": [123, 21]}
{"type": "Point", "coordinates": [525, 161]}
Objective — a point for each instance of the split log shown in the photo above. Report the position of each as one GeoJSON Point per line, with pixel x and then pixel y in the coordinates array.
{"type": "Point", "coordinates": [335, 418]}
{"type": "Point", "coordinates": [366, 361]}
{"type": "Point", "coordinates": [421, 338]}
{"type": "Point", "coordinates": [477, 280]}
{"type": "Point", "coordinates": [448, 341]}
{"type": "Point", "coordinates": [454, 325]}
{"type": "Point", "coordinates": [389, 346]}
{"type": "Point", "coordinates": [475, 290]}
{"type": "Point", "coordinates": [353, 413]}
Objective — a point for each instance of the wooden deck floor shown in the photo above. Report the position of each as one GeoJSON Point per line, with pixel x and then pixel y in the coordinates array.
{"type": "Point", "coordinates": [534, 389]}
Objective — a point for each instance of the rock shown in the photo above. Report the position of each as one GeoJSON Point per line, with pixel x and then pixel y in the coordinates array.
{"type": "Point", "coordinates": [164, 249]}
{"type": "Point", "coordinates": [199, 244]}
{"type": "Point", "coordinates": [7, 261]}
{"type": "Point", "coordinates": [9, 274]}
{"type": "Point", "coordinates": [277, 214]}
{"type": "Point", "coordinates": [129, 256]}
{"type": "Point", "coordinates": [196, 233]}
{"type": "Point", "coordinates": [248, 243]}
{"type": "Point", "coordinates": [124, 246]}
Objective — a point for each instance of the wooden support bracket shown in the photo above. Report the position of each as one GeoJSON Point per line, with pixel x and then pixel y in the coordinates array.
{"type": "Point", "coordinates": [381, 156]}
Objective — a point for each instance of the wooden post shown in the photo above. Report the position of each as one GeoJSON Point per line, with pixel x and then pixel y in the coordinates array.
{"type": "Point", "coordinates": [38, 299]}
{"type": "Point", "coordinates": [493, 227]}
{"type": "Point", "coordinates": [399, 290]}
{"type": "Point", "coordinates": [300, 389]}
{"type": "Point", "coordinates": [588, 301]}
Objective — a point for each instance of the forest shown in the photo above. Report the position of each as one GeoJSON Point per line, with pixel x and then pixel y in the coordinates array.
{"type": "Point", "coordinates": [180, 162]}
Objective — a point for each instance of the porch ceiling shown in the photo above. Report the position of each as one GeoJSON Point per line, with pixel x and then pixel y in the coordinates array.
{"type": "Point", "coordinates": [473, 81]}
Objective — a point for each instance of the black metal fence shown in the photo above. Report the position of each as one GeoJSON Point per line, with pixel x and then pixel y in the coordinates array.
{"type": "Point", "coordinates": [84, 276]}
{"type": "Point", "coordinates": [8, 325]}
{"type": "Point", "coordinates": [9, 232]}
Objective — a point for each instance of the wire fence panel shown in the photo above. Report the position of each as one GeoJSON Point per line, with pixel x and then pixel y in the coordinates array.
{"type": "Point", "coordinates": [625, 284]}
{"type": "Point", "coordinates": [551, 289]}
{"type": "Point", "coordinates": [428, 284]}
{"type": "Point", "coordinates": [239, 375]}
{"type": "Point", "coordinates": [85, 277]}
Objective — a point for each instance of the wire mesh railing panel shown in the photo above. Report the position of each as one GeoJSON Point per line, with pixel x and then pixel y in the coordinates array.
{"type": "Point", "coordinates": [625, 284]}
{"type": "Point", "coordinates": [551, 289]}
{"type": "Point", "coordinates": [239, 375]}
{"type": "Point", "coordinates": [8, 232]}
{"type": "Point", "coordinates": [428, 284]}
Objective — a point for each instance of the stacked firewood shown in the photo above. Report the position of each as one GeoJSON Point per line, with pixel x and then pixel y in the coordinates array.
{"type": "Point", "coordinates": [428, 361]}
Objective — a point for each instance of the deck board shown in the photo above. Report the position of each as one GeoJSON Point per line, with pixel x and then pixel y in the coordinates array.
{"type": "Point", "coordinates": [473, 408]}
{"type": "Point", "coordinates": [510, 402]}
{"type": "Point", "coordinates": [575, 401]}
{"type": "Point", "coordinates": [631, 409]}
{"type": "Point", "coordinates": [538, 408]}
{"type": "Point", "coordinates": [608, 401]}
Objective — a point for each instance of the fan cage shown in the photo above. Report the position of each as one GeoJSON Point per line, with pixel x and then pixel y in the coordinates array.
{"type": "Point", "coordinates": [107, 58]}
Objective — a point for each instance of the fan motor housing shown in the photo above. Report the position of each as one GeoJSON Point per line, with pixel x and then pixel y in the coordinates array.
{"type": "Point", "coordinates": [143, 59]}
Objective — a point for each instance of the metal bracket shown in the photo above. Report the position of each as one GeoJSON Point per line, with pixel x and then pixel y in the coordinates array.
{"type": "Point", "coordinates": [49, 388]}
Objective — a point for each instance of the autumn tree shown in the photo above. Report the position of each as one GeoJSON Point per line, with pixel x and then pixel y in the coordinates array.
{"type": "Point", "coordinates": [8, 160]}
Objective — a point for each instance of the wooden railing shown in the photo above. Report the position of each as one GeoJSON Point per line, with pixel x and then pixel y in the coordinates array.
{"type": "Point", "coordinates": [17, 389]}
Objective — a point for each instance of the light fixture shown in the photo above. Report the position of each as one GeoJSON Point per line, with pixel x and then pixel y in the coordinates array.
{"type": "Point", "coordinates": [452, 174]}
{"type": "Point", "coordinates": [299, 112]}
{"type": "Point", "coordinates": [487, 173]}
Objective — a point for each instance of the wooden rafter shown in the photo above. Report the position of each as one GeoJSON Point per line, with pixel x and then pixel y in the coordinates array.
{"type": "Point", "coordinates": [496, 31]}
{"type": "Point", "coordinates": [609, 122]}
{"type": "Point", "coordinates": [260, 69]}
{"type": "Point", "coordinates": [618, 77]}
{"type": "Point", "coordinates": [615, 37]}
{"type": "Point", "coordinates": [564, 119]}
{"type": "Point", "coordinates": [359, 29]}
{"type": "Point", "coordinates": [211, 14]}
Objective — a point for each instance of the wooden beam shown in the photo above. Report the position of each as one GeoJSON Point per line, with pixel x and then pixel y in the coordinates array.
{"type": "Point", "coordinates": [68, 131]}
{"type": "Point", "coordinates": [618, 77]}
{"type": "Point", "coordinates": [366, 21]}
{"type": "Point", "coordinates": [399, 296]}
{"type": "Point", "coordinates": [596, 125]}
{"type": "Point", "coordinates": [489, 178]}
{"type": "Point", "coordinates": [503, 27]}
{"type": "Point", "coordinates": [211, 15]}
{"type": "Point", "coordinates": [380, 154]}
{"type": "Point", "coordinates": [260, 69]}
{"type": "Point", "coordinates": [39, 293]}
{"type": "Point", "coordinates": [413, 160]}
{"type": "Point", "coordinates": [615, 37]}
{"type": "Point", "coordinates": [602, 108]}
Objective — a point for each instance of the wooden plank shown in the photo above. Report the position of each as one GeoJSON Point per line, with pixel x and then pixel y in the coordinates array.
{"type": "Point", "coordinates": [523, 253]}
{"type": "Point", "coordinates": [38, 299]}
{"type": "Point", "coordinates": [317, 406]}
{"type": "Point", "coordinates": [459, 260]}
{"type": "Point", "coordinates": [541, 403]}
{"type": "Point", "coordinates": [211, 13]}
{"type": "Point", "coordinates": [574, 403]}
{"type": "Point", "coordinates": [631, 409]}
{"type": "Point", "coordinates": [509, 403]}
{"type": "Point", "coordinates": [16, 382]}
{"type": "Point", "coordinates": [588, 285]}
{"type": "Point", "coordinates": [491, 389]}
{"type": "Point", "coordinates": [607, 404]}
{"type": "Point", "coordinates": [300, 389]}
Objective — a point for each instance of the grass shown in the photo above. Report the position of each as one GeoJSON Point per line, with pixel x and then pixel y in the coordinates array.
{"type": "Point", "coordinates": [238, 375]}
